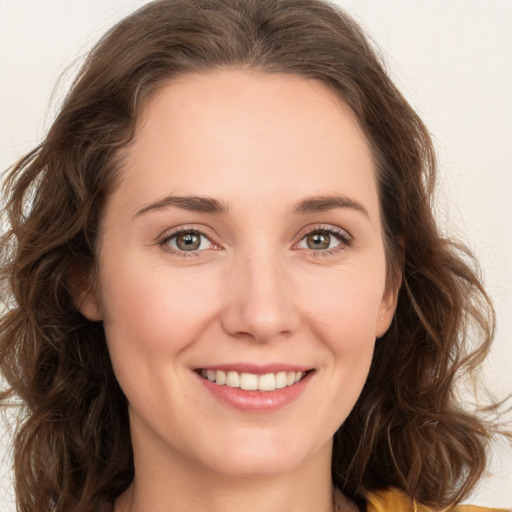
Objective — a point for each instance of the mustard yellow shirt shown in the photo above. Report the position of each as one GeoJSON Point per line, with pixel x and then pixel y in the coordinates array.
{"type": "Point", "coordinates": [394, 500]}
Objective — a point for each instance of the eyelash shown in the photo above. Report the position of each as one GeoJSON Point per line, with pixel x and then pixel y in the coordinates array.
{"type": "Point", "coordinates": [185, 254]}
{"type": "Point", "coordinates": [341, 235]}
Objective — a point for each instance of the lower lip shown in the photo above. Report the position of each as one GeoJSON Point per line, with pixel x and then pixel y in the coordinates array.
{"type": "Point", "coordinates": [257, 401]}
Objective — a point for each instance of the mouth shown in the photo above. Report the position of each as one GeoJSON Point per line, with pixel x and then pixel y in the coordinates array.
{"type": "Point", "coordinates": [252, 381]}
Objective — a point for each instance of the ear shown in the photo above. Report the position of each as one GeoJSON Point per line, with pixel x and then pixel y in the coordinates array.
{"type": "Point", "coordinates": [83, 291]}
{"type": "Point", "coordinates": [387, 308]}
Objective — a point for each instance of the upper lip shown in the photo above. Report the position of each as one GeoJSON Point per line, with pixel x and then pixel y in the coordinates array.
{"type": "Point", "coordinates": [257, 369]}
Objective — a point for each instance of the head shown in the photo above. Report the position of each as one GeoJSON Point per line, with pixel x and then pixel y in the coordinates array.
{"type": "Point", "coordinates": [58, 358]}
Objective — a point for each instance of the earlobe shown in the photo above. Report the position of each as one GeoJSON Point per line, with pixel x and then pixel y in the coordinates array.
{"type": "Point", "coordinates": [383, 324]}
{"type": "Point", "coordinates": [389, 300]}
{"type": "Point", "coordinates": [89, 306]}
{"type": "Point", "coordinates": [83, 292]}
{"type": "Point", "coordinates": [386, 312]}
{"type": "Point", "coordinates": [384, 321]}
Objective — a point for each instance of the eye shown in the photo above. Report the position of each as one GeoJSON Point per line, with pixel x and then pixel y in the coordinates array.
{"type": "Point", "coordinates": [188, 240]}
{"type": "Point", "coordinates": [325, 239]}
{"type": "Point", "coordinates": [318, 241]}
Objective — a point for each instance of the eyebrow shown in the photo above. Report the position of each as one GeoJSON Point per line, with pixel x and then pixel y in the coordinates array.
{"type": "Point", "coordinates": [192, 203]}
{"type": "Point", "coordinates": [201, 204]}
{"type": "Point", "coordinates": [324, 203]}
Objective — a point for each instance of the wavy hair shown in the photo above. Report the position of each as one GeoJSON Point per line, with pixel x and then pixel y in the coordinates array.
{"type": "Point", "coordinates": [72, 449]}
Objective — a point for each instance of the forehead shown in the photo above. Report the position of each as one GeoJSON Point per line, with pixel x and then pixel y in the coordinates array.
{"type": "Point", "coordinates": [240, 134]}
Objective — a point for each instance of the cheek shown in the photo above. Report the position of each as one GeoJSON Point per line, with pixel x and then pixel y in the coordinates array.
{"type": "Point", "coordinates": [346, 316]}
{"type": "Point", "coordinates": [151, 318]}
{"type": "Point", "coordinates": [342, 314]}
{"type": "Point", "coordinates": [153, 311]}
{"type": "Point", "coordinates": [346, 306]}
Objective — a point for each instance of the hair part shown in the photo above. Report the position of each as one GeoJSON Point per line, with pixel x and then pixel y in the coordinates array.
{"type": "Point", "coordinates": [407, 430]}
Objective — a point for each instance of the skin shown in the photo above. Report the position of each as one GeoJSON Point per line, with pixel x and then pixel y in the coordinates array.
{"type": "Point", "coordinates": [256, 290]}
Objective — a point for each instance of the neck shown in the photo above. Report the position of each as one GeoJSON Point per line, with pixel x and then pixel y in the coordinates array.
{"type": "Point", "coordinates": [174, 484]}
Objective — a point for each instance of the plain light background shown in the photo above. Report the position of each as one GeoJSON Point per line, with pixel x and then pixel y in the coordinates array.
{"type": "Point", "coordinates": [450, 58]}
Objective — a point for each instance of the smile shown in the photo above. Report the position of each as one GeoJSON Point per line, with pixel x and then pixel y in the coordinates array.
{"type": "Point", "coordinates": [251, 381]}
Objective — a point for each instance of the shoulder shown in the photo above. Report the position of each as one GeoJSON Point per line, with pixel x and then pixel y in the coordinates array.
{"type": "Point", "coordinates": [394, 500]}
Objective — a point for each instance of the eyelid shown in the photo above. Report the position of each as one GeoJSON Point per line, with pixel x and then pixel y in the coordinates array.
{"type": "Point", "coordinates": [345, 238]}
{"type": "Point", "coordinates": [163, 239]}
{"type": "Point", "coordinates": [329, 228]}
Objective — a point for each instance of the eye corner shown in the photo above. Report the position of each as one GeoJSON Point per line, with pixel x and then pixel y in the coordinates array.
{"type": "Point", "coordinates": [330, 232]}
{"type": "Point", "coordinates": [169, 244]}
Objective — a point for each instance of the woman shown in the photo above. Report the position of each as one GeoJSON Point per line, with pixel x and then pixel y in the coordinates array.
{"type": "Point", "coordinates": [228, 289]}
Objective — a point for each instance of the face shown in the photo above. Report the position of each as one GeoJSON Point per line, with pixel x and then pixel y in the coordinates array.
{"type": "Point", "coordinates": [242, 273]}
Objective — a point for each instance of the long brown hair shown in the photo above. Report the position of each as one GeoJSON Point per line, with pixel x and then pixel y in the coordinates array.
{"type": "Point", "coordinates": [72, 447]}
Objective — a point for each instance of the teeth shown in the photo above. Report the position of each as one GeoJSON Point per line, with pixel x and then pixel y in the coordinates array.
{"type": "Point", "coordinates": [267, 382]}
{"type": "Point", "coordinates": [281, 380]}
{"type": "Point", "coordinates": [251, 381]}
{"type": "Point", "coordinates": [220, 377]}
{"type": "Point", "coordinates": [233, 380]}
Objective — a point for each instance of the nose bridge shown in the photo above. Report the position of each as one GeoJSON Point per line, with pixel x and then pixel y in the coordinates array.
{"type": "Point", "coordinates": [261, 303]}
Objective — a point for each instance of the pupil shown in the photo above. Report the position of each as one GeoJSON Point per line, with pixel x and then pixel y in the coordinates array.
{"type": "Point", "coordinates": [318, 241]}
{"type": "Point", "coordinates": [188, 241]}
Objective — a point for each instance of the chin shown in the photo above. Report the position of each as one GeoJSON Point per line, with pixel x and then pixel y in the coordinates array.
{"type": "Point", "coordinates": [263, 458]}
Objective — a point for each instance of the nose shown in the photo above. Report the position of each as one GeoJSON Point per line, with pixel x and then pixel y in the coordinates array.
{"type": "Point", "coordinates": [260, 302]}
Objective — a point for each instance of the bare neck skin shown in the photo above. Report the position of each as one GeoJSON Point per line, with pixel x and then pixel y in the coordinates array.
{"type": "Point", "coordinates": [181, 487]}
